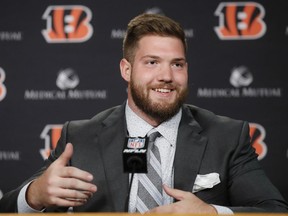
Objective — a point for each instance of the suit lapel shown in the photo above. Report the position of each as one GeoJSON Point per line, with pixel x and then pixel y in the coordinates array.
{"type": "Point", "coordinates": [112, 140]}
{"type": "Point", "coordinates": [189, 151]}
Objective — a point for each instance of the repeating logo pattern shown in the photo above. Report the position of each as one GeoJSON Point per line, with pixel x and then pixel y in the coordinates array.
{"type": "Point", "coordinates": [240, 20]}
{"type": "Point", "coordinates": [258, 134]}
{"type": "Point", "coordinates": [67, 80]}
{"type": "Point", "coordinates": [67, 24]}
{"type": "Point", "coordinates": [3, 90]}
{"type": "Point", "coordinates": [51, 134]}
{"type": "Point", "coordinates": [241, 78]}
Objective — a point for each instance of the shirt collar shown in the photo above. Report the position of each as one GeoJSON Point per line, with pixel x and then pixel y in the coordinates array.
{"type": "Point", "coordinates": [136, 126]}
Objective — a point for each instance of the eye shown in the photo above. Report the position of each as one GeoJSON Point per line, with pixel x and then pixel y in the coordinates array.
{"type": "Point", "coordinates": [152, 62]}
{"type": "Point", "coordinates": [178, 64]}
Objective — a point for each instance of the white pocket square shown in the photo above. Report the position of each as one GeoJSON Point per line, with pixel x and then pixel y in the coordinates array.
{"type": "Point", "coordinates": [205, 181]}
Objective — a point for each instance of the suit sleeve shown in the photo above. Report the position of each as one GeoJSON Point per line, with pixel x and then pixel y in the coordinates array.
{"type": "Point", "coordinates": [249, 188]}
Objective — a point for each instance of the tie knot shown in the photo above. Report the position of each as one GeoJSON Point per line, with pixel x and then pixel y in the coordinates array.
{"type": "Point", "coordinates": [153, 134]}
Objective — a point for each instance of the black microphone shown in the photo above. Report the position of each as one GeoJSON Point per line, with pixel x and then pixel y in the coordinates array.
{"type": "Point", "coordinates": [134, 159]}
{"type": "Point", "coordinates": [135, 155]}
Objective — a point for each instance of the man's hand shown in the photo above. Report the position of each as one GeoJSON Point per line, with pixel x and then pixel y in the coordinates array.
{"type": "Point", "coordinates": [188, 203]}
{"type": "Point", "coordinates": [61, 185]}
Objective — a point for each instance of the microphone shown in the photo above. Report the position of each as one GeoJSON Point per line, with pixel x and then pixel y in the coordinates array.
{"type": "Point", "coordinates": [134, 159]}
{"type": "Point", "coordinates": [135, 155]}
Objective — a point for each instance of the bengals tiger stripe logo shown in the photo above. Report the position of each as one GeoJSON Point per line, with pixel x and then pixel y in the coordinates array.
{"type": "Point", "coordinates": [240, 20]}
{"type": "Point", "coordinates": [2, 86]}
{"type": "Point", "coordinates": [67, 24]}
{"type": "Point", "coordinates": [51, 134]}
{"type": "Point", "coordinates": [257, 135]}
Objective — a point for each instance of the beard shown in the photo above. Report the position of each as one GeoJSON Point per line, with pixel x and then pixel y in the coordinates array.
{"type": "Point", "coordinates": [161, 111]}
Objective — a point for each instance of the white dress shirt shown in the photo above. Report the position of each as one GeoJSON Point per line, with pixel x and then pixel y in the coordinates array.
{"type": "Point", "coordinates": [166, 144]}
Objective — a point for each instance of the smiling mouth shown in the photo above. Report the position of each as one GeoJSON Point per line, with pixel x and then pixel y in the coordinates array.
{"type": "Point", "coordinates": [163, 90]}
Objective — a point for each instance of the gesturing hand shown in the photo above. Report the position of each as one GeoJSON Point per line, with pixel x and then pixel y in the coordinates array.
{"type": "Point", "coordinates": [61, 185]}
{"type": "Point", "coordinates": [188, 203]}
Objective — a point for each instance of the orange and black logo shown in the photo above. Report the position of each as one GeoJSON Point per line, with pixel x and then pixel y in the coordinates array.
{"type": "Point", "coordinates": [240, 20]}
{"type": "Point", "coordinates": [2, 86]}
{"type": "Point", "coordinates": [51, 134]}
{"type": "Point", "coordinates": [67, 24]}
{"type": "Point", "coordinates": [257, 134]}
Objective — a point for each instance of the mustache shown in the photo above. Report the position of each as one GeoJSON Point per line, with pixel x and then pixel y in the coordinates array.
{"type": "Point", "coordinates": [164, 86]}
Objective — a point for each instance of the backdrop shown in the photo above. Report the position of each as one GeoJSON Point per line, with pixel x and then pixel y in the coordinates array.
{"type": "Point", "coordinates": [59, 61]}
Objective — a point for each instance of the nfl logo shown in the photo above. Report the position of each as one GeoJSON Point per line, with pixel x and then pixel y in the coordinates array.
{"type": "Point", "coordinates": [136, 143]}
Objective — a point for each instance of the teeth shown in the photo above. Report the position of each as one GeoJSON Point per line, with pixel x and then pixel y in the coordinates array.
{"type": "Point", "coordinates": [163, 90]}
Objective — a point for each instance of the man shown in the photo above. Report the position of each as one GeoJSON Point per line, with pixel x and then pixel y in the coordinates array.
{"type": "Point", "coordinates": [206, 161]}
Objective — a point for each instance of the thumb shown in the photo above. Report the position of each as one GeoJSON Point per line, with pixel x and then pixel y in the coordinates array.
{"type": "Point", "coordinates": [175, 193]}
{"type": "Point", "coordinates": [66, 155]}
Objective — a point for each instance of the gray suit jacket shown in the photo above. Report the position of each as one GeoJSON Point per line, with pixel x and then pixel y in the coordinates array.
{"type": "Point", "coordinates": [206, 143]}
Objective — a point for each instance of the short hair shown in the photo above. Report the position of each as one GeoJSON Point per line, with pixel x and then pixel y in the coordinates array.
{"type": "Point", "coordinates": [150, 24]}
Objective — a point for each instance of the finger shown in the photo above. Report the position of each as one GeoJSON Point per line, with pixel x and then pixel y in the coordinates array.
{"type": "Point", "coordinates": [66, 155]}
{"type": "Point", "coordinates": [77, 200]}
{"type": "Point", "coordinates": [76, 184]}
{"type": "Point", "coordinates": [74, 194]}
{"type": "Point", "coordinates": [68, 202]}
{"type": "Point", "coordinates": [76, 173]}
{"type": "Point", "coordinates": [73, 172]}
{"type": "Point", "coordinates": [175, 193]}
{"type": "Point", "coordinates": [61, 196]}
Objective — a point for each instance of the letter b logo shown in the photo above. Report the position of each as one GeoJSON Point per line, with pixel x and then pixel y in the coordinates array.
{"type": "Point", "coordinates": [67, 24]}
{"type": "Point", "coordinates": [240, 20]}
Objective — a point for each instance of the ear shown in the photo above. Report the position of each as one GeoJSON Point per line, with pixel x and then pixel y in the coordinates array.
{"type": "Point", "coordinates": [125, 68]}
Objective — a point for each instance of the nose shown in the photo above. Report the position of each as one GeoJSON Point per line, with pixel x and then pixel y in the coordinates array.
{"type": "Point", "coordinates": [165, 74]}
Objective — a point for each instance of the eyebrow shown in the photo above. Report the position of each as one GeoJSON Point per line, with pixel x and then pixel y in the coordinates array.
{"type": "Point", "coordinates": [157, 57]}
{"type": "Point", "coordinates": [180, 59]}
